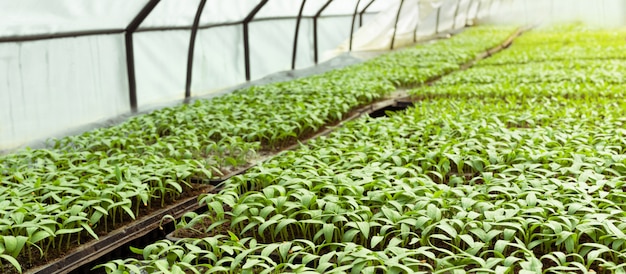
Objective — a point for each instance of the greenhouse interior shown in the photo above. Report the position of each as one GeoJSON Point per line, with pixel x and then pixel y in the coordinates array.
{"type": "Point", "coordinates": [313, 136]}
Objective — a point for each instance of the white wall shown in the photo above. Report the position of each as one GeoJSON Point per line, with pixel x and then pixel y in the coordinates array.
{"type": "Point", "coordinates": [602, 13]}
{"type": "Point", "coordinates": [48, 87]}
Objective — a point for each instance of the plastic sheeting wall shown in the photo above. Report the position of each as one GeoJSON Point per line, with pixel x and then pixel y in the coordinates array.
{"type": "Point", "coordinates": [218, 60]}
{"type": "Point", "coordinates": [49, 87]}
{"type": "Point", "coordinates": [593, 12]}
{"type": "Point", "coordinates": [52, 86]}
{"type": "Point", "coordinates": [407, 21]}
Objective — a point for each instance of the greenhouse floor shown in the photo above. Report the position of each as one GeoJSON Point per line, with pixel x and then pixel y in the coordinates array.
{"type": "Point", "coordinates": [508, 164]}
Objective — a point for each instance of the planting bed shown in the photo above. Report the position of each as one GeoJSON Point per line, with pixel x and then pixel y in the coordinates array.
{"type": "Point", "coordinates": [82, 187]}
{"type": "Point", "coordinates": [501, 168]}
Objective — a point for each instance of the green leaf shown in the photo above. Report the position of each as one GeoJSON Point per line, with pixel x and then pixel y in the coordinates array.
{"type": "Point", "coordinates": [40, 235]}
{"type": "Point", "coordinates": [68, 231]}
{"type": "Point", "coordinates": [448, 229]}
{"type": "Point", "coordinates": [433, 212]}
{"type": "Point", "coordinates": [12, 261]}
{"type": "Point", "coordinates": [328, 230]}
{"type": "Point", "coordinates": [269, 249]}
{"type": "Point", "coordinates": [284, 249]}
{"type": "Point", "coordinates": [531, 199]}
{"type": "Point", "coordinates": [364, 227]}
{"type": "Point", "coordinates": [13, 244]}
{"type": "Point", "coordinates": [89, 230]}
{"type": "Point", "coordinates": [282, 224]}
{"type": "Point", "coordinates": [349, 235]}
{"type": "Point", "coordinates": [250, 263]}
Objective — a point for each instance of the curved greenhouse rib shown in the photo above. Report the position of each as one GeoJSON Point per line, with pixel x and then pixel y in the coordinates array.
{"type": "Point", "coordinates": [130, 55]}
{"type": "Point", "coordinates": [295, 38]}
{"type": "Point", "coordinates": [192, 44]}
{"type": "Point", "coordinates": [417, 24]}
{"type": "Point", "coordinates": [246, 38]}
{"type": "Point", "coordinates": [456, 14]}
{"type": "Point", "coordinates": [315, 41]}
{"type": "Point", "coordinates": [363, 12]}
{"type": "Point", "coordinates": [395, 25]}
{"type": "Point", "coordinates": [356, 9]}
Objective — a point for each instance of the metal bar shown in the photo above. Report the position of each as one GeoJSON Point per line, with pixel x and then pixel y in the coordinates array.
{"type": "Point", "coordinates": [417, 23]}
{"type": "Point", "coordinates": [478, 9]}
{"type": "Point", "coordinates": [246, 40]}
{"type": "Point", "coordinates": [200, 27]}
{"type": "Point", "coordinates": [315, 42]}
{"type": "Point", "coordinates": [295, 38]}
{"type": "Point", "coordinates": [395, 26]}
{"type": "Point", "coordinates": [437, 22]}
{"type": "Point", "coordinates": [356, 8]}
{"type": "Point", "coordinates": [192, 44]}
{"type": "Point", "coordinates": [469, 8]}
{"type": "Point", "coordinates": [456, 13]}
{"type": "Point", "coordinates": [130, 55]}
{"type": "Point", "coordinates": [74, 34]}
{"type": "Point", "coordinates": [273, 18]}
{"type": "Point", "coordinates": [363, 11]}
{"type": "Point", "coordinates": [59, 35]}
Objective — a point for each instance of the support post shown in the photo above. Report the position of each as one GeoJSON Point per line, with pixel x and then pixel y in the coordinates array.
{"type": "Point", "coordinates": [246, 39]}
{"type": "Point", "coordinates": [192, 44]}
{"type": "Point", "coordinates": [130, 54]}
{"type": "Point", "coordinates": [356, 8]}
{"type": "Point", "coordinates": [295, 39]}
{"type": "Point", "coordinates": [469, 8]}
{"type": "Point", "coordinates": [315, 42]}
{"type": "Point", "coordinates": [456, 13]}
{"type": "Point", "coordinates": [417, 23]}
{"type": "Point", "coordinates": [437, 22]}
{"type": "Point", "coordinates": [395, 26]}
{"type": "Point", "coordinates": [363, 11]}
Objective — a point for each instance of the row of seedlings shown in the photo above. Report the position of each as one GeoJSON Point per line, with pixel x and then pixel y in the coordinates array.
{"type": "Point", "coordinates": [83, 186]}
{"type": "Point", "coordinates": [489, 178]}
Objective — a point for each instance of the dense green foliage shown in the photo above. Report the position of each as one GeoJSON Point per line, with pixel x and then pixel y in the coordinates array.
{"type": "Point", "coordinates": [52, 198]}
{"type": "Point", "coordinates": [497, 176]}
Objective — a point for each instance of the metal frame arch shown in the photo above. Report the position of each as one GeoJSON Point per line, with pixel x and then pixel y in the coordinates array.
{"type": "Point", "coordinates": [246, 38]}
{"type": "Point", "coordinates": [363, 11]}
{"type": "Point", "coordinates": [395, 25]}
{"type": "Point", "coordinates": [315, 37]}
{"type": "Point", "coordinates": [295, 38]}
{"type": "Point", "coordinates": [192, 44]}
{"type": "Point", "coordinates": [356, 9]}
{"type": "Point", "coordinates": [130, 54]}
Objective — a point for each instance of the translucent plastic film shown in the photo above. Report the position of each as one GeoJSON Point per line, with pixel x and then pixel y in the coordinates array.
{"type": "Point", "coordinates": [36, 17]}
{"type": "Point", "coordinates": [51, 86]}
